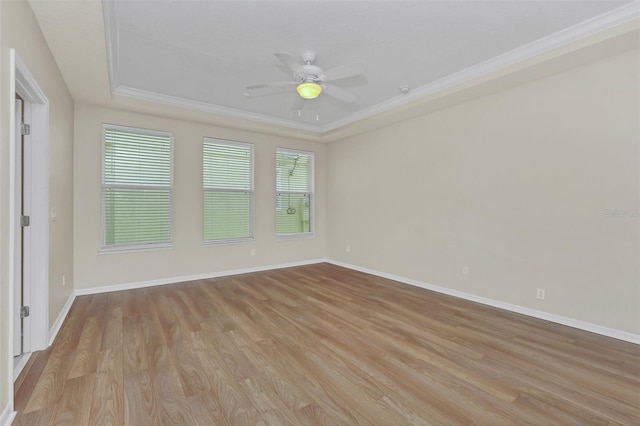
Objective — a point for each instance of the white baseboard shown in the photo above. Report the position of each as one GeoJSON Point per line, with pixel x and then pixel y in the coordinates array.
{"type": "Point", "coordinates": [23, 362]}
{"type": "Point", "coordinates": [174, 280]}
{"type": "Point", "coordinates": [53, 332]}
{"type": "Point", "coordinates": [582, 325]}
{"type": "Point", "coordinates": [7, 415]}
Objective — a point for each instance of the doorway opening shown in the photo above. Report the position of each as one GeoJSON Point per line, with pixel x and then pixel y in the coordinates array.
{"type": "Point", "coordinates": [28, 217]}
{"type": "Point", "coordinates": [22, 237]}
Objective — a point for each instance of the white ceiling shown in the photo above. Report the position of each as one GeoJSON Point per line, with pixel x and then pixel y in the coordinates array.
{"type": "Point", "coordinates": [202, 54]}
{"type": "Point", "coordinates": [208, 51]}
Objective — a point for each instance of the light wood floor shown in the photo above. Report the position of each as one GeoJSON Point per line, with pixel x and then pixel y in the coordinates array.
{"type": "Point", "coordinates": [320, 345]}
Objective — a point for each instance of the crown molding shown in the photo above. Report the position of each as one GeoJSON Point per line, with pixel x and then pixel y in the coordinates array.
{"type": "Point", "coordinates": [112, 44]}
{"type": "Point", "coordinates": [531, 50]}
{"type": "Point", "coordinates": [111, 33]}
{"type": "Point", "coordinates": [537, 48]}
{"type": "Point", "coordinates": [214, 109]}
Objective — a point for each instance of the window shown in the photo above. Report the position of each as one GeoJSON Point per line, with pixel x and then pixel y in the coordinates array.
{"type": "Point", "coordinates": [136, 188]}
{"type": "Point", "coordinates": [294, 193]}
{"type": "Point", "coordinates": [227, 176]}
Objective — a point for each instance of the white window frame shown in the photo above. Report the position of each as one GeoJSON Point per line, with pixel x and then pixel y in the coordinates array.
{"type": "Point", "coordinates": [312, 196]}
{"type": "Point", "coordinates": [238, 240]}
{"type": "Point", "coordinates": [127, 248]}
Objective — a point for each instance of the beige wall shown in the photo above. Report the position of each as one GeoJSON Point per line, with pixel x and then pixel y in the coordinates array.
{"type": "Point", "coordinates": [20, 30]}
{"type": "Point", "coordinates": [188, 257]}
{"type": "Point", "coordinates": [515, 185]}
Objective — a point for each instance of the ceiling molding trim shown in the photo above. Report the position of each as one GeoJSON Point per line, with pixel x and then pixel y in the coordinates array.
{"type": "Point", "coordinates": [541, 46]}
{"type": "Point", "coordinates": [131, 92]}
{"type": "Point", "coordinates": [531, 50]}
{"type": "Point", "coordinates": [111, 32]}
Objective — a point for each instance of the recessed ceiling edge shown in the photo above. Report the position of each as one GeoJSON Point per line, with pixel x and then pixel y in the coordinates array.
{"type": "Point", "coordinates": [593, 26]}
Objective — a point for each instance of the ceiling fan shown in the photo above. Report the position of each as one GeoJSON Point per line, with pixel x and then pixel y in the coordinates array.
{"type": "Point", "coordinates": [311, 80]}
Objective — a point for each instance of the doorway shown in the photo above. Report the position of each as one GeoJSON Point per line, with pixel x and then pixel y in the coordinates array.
{"type": "Point", "coordinates": [28, 197]}
{"type": "Point", "coordinates": [22, 237]}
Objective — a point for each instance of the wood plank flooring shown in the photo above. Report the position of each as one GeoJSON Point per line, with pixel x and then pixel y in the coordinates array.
{"type": "Point", "coordinates": [322, 345]}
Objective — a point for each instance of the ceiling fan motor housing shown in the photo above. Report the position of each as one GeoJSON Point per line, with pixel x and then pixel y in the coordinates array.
{"type": "Point", "coordinates": [309, 73]}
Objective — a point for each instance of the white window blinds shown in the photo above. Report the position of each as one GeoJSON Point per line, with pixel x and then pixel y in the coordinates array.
{"type": "Point", "coordinates": [136, 188]}
{"type": "Point", "coordinates": [227, 169]}
{"type": "Point", "coordinates": [294, 192]}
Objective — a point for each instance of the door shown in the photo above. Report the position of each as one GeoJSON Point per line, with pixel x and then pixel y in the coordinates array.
{"type": "Point", "coordinates": [22, 239]}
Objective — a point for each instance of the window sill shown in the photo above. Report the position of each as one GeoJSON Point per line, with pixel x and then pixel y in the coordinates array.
{"type": "Point", "coordinates": [136, 249]}
{"type": "Point", "coordinates": [229, 242]}
{"type": "Point", "coordinates": [304, 236]}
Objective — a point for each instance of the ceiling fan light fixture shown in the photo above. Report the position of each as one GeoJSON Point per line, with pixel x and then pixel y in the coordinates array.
{"type": "Point", "coordinates": [309, 90]}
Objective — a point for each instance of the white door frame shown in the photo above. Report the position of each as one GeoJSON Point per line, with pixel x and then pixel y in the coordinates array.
{"type": "Point", "coordinates": [23, 83]}
{"type": "Point", "coordinates": [22, 237]}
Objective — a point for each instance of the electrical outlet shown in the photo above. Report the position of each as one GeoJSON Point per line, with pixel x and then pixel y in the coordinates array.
{"type": "Point", "coordinates": [540, 294]}
{"type": "Point", "coordinates": [253, 252]}
{"type": "Point", "coordinates": [465, 270]}
{"type": "Point", "coordinates": [64, 280]}
{"type": "Point", "coordinates": [348, 249]}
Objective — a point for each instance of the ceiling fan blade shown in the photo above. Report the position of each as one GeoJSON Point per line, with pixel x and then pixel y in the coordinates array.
{"type": "Point", "coordinates": [339, 93]}
{"type": "Point", "coordinates": [270, 84]}
{"type": "Point", "coordinates": [291, 63]}
{"type": "Point", "coordinates": [343, 71]}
